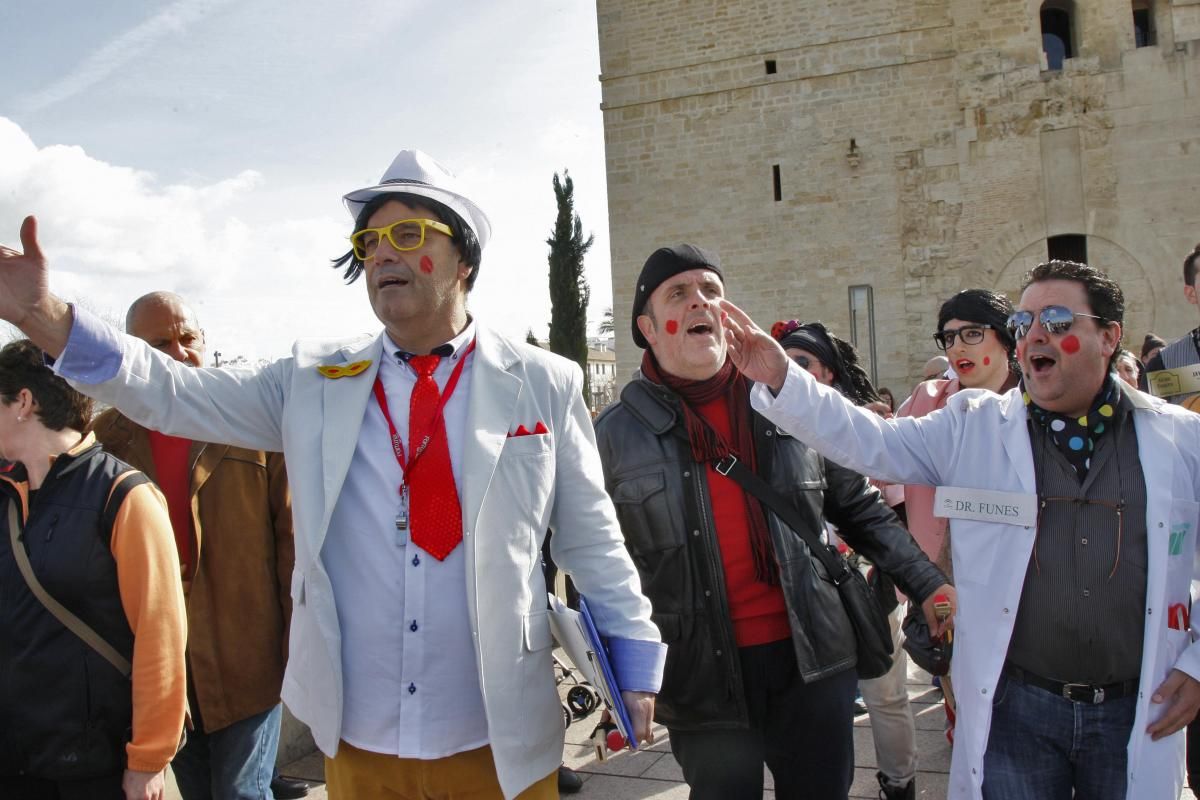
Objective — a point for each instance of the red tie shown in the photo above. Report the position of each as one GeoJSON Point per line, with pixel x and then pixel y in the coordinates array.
{"type": "Point", "coordinates": [432, 496]}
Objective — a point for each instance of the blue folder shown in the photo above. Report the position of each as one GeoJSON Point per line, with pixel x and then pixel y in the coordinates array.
{"type": "Point", "coordinates": [576, 632]}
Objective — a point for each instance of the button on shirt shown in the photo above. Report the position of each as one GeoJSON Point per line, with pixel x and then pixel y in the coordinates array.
{"type": "Point", "coordinates": [410, 681]}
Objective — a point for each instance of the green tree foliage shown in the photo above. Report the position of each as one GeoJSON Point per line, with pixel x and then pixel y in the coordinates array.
{"type": "Point", "coordinates": [569, 293]}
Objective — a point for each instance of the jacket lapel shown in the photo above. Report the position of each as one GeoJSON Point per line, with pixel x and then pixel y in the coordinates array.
{"type": "Point", "coordinates": [204, 458]}
{"type": "Point", "coordinates": [491, 410]}
{"type": "Point", "coordinates": [344, 402]}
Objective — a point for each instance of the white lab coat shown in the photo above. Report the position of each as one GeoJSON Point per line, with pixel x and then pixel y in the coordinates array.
{"type": "Point", "coordinates": [980, 440]}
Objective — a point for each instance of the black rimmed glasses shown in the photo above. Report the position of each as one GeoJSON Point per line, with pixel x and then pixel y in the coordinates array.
{"type": "Point", "coordinates": [969, 334]}
{"type": "Point", "coordinates": [1055, 319]}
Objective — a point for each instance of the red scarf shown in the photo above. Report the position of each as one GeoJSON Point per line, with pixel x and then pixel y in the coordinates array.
{"type": "Point", "coordinates": [708, 445]}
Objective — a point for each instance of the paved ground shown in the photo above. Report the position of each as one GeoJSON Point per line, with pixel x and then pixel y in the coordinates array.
{"type": "Point", "coordinates": [654, 773]}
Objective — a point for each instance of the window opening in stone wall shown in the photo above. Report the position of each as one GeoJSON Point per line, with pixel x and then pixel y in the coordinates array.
{"type": "Point", "coordinates": [1067, 247]}
{"type": "Point", "coordinates": [770, 66]}
{"type": "Point", "coordinates": [862, 326]}
{"type": "Point", "coordinates": [1057, 35]}
{"type": "Point", "coordinates": [777, 183]}
{"type": "Point", "coordinates": [1143, 24]}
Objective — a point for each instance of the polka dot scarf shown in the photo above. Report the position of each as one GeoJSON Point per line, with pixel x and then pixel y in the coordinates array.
{"type": "Point", "coordinates": [1076, 437]}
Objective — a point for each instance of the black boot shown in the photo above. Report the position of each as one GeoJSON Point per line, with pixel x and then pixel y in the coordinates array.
{"type": "Point", "coordinates": [888, 792]}
{"type": "Point", "coordinates": [568, 781]}
{"type": "Point", "coordinates": [288, 788]}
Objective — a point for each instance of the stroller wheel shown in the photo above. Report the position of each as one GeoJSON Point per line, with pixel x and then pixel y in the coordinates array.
{"type": "Point", "coordinates": [566, 716]}
{"type": "Point", "coordinates": [582, 700]}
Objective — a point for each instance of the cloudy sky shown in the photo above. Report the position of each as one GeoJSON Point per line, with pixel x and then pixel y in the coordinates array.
{"type": "Point", "coordinates": [203, 146]}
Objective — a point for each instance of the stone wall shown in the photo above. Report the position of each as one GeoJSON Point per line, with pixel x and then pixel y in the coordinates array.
{"type": "Point", "coordinates": [922, 148]}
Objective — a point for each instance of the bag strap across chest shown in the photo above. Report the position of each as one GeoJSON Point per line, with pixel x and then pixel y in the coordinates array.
{"type": "Point", "coordinates": [122, 486]}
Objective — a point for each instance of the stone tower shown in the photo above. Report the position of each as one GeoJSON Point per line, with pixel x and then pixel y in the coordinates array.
{"type": "Point", "coordinates": [860, 162]}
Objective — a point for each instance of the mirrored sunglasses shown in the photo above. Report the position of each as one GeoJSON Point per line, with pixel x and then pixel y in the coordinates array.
{"type": "Point", "coordinates": [1055, 319]}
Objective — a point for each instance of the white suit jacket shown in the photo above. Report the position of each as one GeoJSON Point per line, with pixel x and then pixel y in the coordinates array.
{"type": "Point", "coordinates": [980, 441]}
{"type": "Point", "coordinates": [513, 490]}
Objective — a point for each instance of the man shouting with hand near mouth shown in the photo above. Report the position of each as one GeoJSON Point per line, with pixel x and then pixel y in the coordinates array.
{"type": "Point", "coordinates": [761, 654]}
{"type": "Point", "coordinates": [1073, 506]}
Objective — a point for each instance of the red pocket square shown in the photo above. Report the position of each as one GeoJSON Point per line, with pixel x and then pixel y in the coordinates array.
{"type": "Point", "coordinates": [523, 431]}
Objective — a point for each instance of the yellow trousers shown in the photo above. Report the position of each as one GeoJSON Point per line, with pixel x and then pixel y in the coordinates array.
{"type": "Point", "coordinates": [361, 775]}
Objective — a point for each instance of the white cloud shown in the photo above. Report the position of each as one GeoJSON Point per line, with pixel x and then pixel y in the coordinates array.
{"type": "Point", "coordinates": [215, 157]}
{"type": "Point", "coordinates": [113, 233]}
{"type": "Point", "coordinates": [258, 280]}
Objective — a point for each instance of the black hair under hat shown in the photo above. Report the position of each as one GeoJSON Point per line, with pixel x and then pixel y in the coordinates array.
{"type": "Point", "coordinates": [983, 307]}
{"type": "Point", "coordinates": [664, 263]}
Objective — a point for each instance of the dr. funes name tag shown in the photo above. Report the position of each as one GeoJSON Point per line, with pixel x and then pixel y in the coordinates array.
{"type": "Point", "coordinates": [1010, 508]}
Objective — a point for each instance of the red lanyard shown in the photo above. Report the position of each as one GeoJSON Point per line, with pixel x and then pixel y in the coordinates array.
{"type": "Point", "coordinates": [397, 443]}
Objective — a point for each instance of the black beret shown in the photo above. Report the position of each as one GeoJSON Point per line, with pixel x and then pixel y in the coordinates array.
{"type": "Point", "coordinates": [663, 263]}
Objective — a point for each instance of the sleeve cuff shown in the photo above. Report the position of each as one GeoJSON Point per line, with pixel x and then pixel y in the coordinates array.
{"type": "Point", "coordinates": [761, 397]}
{"type": "Point", "coordinates": [93, 352]}
{"type": "Point", "coordinates": [638, 664]}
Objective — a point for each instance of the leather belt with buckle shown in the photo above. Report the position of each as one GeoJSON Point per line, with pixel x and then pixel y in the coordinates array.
{"type": "Point", "coordinates": [1089, 693]}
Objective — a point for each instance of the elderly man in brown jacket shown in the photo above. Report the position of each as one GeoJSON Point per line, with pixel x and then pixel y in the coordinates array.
{"type": "Point", "coordinates": [231, 513]}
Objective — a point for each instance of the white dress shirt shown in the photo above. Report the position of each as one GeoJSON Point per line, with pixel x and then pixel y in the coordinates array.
{"type": "Point", "coordinates": [409, 675]}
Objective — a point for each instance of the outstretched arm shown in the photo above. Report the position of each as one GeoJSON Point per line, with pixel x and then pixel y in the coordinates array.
{"type": "Point", "coordinates": [903, 450]}
{"type": "Point", "coordinates": [753, 351]}
{"type": "Point", "coordinates": [25, 298]}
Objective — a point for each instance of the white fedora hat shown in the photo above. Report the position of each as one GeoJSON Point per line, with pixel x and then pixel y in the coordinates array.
{"type": "Point", "coordinates": [414, 172]}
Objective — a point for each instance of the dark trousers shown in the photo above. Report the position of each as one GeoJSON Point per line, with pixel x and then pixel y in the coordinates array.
{"type": "Point", "coordinates": [22, 787]}
{"type": "Point", "coordinates": [803, 732]}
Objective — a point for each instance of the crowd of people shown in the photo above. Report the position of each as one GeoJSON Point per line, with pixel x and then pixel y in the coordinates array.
{"type": "Point", "coordinates": [162, 589]}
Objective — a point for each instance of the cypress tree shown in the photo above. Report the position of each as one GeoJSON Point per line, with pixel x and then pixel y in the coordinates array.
{"type": "Point", "coordinates": [569, 292]}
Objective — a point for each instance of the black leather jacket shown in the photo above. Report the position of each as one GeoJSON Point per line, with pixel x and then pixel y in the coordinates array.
{"type": "Point", "coordinates": [661, 497]}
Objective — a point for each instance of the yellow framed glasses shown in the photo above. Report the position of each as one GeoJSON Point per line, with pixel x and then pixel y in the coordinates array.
{"type": "Point", "coordinates": [402, 235]}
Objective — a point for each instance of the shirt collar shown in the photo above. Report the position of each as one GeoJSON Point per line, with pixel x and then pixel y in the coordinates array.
{"type": "Point", "coordinates": [453, 349]}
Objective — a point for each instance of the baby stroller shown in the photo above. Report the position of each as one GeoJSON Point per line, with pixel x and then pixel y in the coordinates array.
{"type": "Point", "coordinates": [582, 697]}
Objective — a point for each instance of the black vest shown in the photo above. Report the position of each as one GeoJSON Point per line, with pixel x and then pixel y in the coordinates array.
{"type": "Point", "coordinates": [65, 712]}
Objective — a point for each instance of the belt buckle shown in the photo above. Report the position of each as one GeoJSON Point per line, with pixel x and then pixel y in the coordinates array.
{"type": "Point", "coordinates": [1095, 694]}
{"type": "Point", "coordinates": [725, 464]}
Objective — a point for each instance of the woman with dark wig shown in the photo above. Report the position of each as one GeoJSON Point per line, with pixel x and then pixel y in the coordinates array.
{"type": "Point", "coordinates": [832, 361]}
{"type": "Point", "coordinates": [92, 624]}
{"type": "Point", "coordinates": [972, 331]}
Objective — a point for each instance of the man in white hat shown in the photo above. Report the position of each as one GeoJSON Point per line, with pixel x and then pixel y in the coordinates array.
{"type": "Point", "coordinates": [426, 463]}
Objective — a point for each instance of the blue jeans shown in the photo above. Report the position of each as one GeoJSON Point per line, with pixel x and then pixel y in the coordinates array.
{"type": "Point", "coordinates": [233, 763]}
{"type": "Point", "coordinates": [1046, 747]}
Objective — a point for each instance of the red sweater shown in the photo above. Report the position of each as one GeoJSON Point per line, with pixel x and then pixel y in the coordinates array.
{"type": "Point", "coordinates": [170, 455]}
{"type": "Point", "coordinates": [759, 611]}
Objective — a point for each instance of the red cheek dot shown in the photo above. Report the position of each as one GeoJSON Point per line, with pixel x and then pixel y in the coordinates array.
{"type": "Point", "coordinates": [987, 361]}
{"type": "Point", "coordinates": [672, 327]}
{"type": "Point", "coordinates": [427, 265]}
{"type": "Point", "coordinates": [1021, 347]}
{"type": "Point", "coordinates": [1070, 344]}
